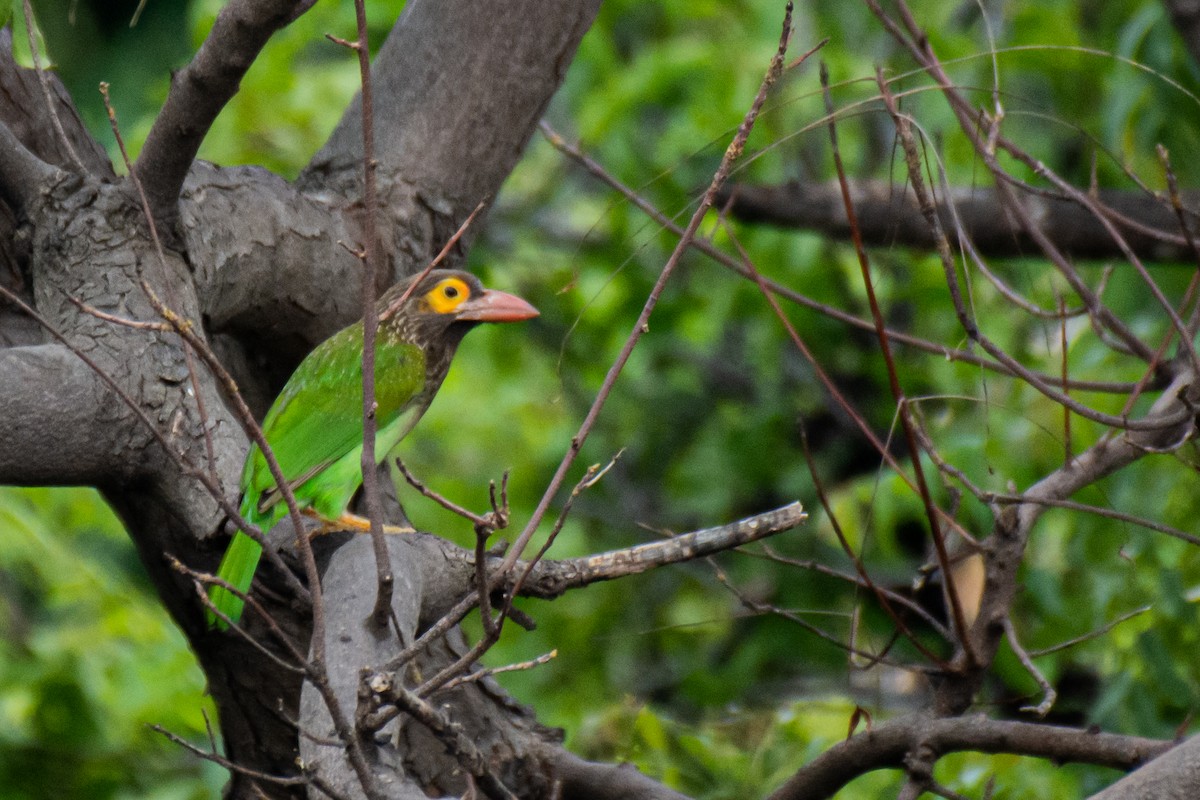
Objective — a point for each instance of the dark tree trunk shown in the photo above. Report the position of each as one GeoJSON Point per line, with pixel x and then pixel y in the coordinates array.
{"type": "Point", "coordinates": [257, 262]}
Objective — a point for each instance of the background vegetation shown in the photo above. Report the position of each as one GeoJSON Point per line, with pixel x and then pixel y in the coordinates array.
{"type": "Point", "coordinates": [671, 670]}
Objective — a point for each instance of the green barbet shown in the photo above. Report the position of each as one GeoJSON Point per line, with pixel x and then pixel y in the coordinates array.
{"type": "Point", "coordinates": [315, 426]}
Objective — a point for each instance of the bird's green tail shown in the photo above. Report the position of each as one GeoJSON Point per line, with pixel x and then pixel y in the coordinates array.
{"type": "Point", "coordinates": [237, 569]}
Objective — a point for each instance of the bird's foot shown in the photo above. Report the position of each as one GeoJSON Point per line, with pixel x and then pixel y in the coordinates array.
{"type": "Point", "coordinates": [350, 522]}
{"type": "Point", "coordinates": [353, 522]}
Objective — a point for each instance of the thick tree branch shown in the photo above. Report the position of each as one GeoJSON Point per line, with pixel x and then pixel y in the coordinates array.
{"type": "Point", "coordinates": [585, 779]}
{"type": "Point", "coordinates": [887, 745]}
{"type": "Point", "coordinates": [269, 264]}
{"type": "Point", "coordinates": [431, 574]}
{"type": "Point", "coordinates": [47, 398]}
{"type": "Point", "coordinates": [198, 93]}
{"type": "Point", "coordinates": [889, 214]}
{"type": "Point", "coordinates": [445, 144]}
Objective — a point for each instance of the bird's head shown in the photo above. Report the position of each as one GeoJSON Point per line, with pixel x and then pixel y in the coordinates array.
{"type": "Point", "coordinates": [445, 304]}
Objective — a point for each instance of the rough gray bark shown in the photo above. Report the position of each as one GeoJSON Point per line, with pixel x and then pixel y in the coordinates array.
{"type": "Point", "coordinates": [259, 267]}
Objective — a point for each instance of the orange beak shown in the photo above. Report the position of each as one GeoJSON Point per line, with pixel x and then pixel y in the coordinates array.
{"type": "Point", "coordinates": [493, 306]}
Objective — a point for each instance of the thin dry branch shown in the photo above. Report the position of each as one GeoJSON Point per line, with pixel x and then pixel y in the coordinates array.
{"type": "Point", "coordinates": [1049, 695]}
{"type": "Point", "coordinates": [552, 578]}
{"type": "Point", "coordinates": [371, 255]}
{"type": "Point", "coordinates": [1103, 629]}
{"type": "Point", "coordinates": [278, 780]}
{"type": "Point", "coordinates": [1097, 310]}
{"type": "Point", "coordinates": [30, 102]}
{"type": "Point", "coordinates": [852, 648]}
{"type": "Point", "coordinates": [487, 672]}
{"type": "Point", "coordinates": [906, 421]}
{"type": "Point", "coordinates": [910, 36]}
{"type": "Point", "coordinates": [734, 265]}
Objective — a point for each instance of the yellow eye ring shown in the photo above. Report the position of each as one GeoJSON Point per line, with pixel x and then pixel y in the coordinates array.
{"type": "Point", "coordinates": [448, 295]}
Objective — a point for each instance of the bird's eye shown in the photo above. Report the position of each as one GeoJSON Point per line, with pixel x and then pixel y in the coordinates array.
{"type": "Point", "coordinates": [447, 296]}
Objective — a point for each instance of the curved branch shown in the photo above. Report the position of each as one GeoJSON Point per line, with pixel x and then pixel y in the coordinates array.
{"type": "Point", "coordinates": [885, 746]}
{"type": "Point", "coordinates": [198, 93]}
{"type": "Point", "coordinates": [605, 781]}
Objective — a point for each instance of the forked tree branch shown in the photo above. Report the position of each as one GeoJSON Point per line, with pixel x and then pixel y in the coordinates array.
{"type": "Point", "coordinates": [198, 93]}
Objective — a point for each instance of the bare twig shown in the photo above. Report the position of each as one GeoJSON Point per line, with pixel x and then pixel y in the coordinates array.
{"type": "Point", "coordinates": [759, 607]}
{"type": "Point", "coordinates": [385, 580]}
{"type": "Point", "coordinates": [233, 766]}
{"type": "Point", "coordinates": [168, 285]}
{"type": "Point", "coordinates": [496, 519]}
{"type": "Point", "coordinates": [493, 627]}
{"type": "Point", "coordinates": [769, 553]}
{"type": "Point", "coordinates": [202, 579]}
{"type": "Point", "coordinates": [642, 325]}
{"type": "Point", "coordinates": [887, 744]}
{"type": "Point", "coordinates": [396, 304]}
{"type": "Point", "coordinates": [906, 422]}
{"type": "Point", "coordinates": [1103, 629]}
{"type": "Point", "coordinates": [551, 578]}
{"type": "Point", "coordinates": [479, 675]}
{"type": "Point", "coordinates": [1048, 693]}
{"type": "Point", "coordinates": [776, 288]}
{"type": "Point", "coordinates": [859, 566]}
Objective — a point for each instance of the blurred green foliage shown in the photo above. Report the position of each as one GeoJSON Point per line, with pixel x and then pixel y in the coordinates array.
{"type": "Point", "coordinates": [668, 670]}
{"type": "Point", "coordinates": [89, 660]}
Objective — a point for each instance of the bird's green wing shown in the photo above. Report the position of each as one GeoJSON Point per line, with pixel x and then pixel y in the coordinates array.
{"type": "Point", "coordinates": [316, 422]}
{"type": "Point", "coordinates": [317, 419]}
